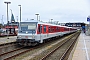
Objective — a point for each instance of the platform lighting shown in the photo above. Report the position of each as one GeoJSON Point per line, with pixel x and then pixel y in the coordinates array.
{"type": "Point", "coordinates": [17, 18]}
{"type": "Point", "coordinates": [11, 12]}
{"type": "Point", "coordinates": [2, 19]}
{"type": "Point", "coordinates": [7, 9]}
{"type": "Point", "coordinates": [11, 20]}
{"type": "Point", "coordinates": [51, 20]}
{"type": "Point", "coordinates": [7, 14]}
{"type": "Point", "coordinates": [20, 12]}
{"type": "Point", "coordinates": [37, 16]}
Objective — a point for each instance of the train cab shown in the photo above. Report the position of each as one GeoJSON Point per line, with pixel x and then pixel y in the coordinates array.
{"type": "Point", "coordinates": [26, 33]}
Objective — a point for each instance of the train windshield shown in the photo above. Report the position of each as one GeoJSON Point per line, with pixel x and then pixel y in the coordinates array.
{"type": "Point", "coordinates": [25, 26]}
{"type": "Point", "coordinates": [28, 27]}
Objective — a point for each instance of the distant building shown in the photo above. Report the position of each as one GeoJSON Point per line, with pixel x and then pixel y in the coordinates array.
{"type": "Point", "coordinates": [12, 26]}
{"type": "Point", "coordinates": [77, 25]}
{"type": "Point", "coordinates": [62, 24]}
{"type": "Point", "coordinates": [12, 23]}
{"type": "Point", "coordinates": [1, 26]}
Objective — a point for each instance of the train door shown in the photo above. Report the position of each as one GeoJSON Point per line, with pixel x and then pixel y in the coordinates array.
{"type": "Point", "coordinates": [39, 33]}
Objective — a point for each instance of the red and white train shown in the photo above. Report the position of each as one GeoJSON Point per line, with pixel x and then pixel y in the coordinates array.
{"type": "Point", "coordinates": [33, 32]}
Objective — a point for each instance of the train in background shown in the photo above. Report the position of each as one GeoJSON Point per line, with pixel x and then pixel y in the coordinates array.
{"type": "Point", "coordinates": [2, 32]}
{"type": "Point", "coordinates": [32, 32]}
{"type": "Point", "coordinates": [8, 31]}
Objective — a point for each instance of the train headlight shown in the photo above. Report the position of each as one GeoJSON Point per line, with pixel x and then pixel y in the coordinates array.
{"type": "Point", "coordinates": [26, 32]}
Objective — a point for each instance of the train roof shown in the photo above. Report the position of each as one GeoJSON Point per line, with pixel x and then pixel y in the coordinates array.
{"type": "Point", "coordinates": [44, 23]}
{"type": "Point", "coordinates": [30, 21]}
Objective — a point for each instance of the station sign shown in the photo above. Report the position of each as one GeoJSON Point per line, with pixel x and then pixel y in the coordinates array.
{"type": "Point", "coordinates": [88, 18]}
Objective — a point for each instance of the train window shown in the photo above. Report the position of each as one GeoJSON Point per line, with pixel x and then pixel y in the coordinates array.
{"type": "Point", "coordinates": [40, 29]}
{"type": "Point", "coordinates": [28, 26]}
{"type": "Point", "coordinates": [44, 28]}
{"type": "Point", "coordinates": [66, 29]}
{"type": "Point", "coordinates": [53, 29]}
{"type": "Point", "coordinates": [49, 29]}
{"type": "Point", "coordinates": [56, 29]}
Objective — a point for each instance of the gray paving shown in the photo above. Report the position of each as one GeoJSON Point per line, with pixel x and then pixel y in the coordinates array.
{"type": "Point", "coordinates": [5, 40]}
{"type": "Point", "coordinates": [82, 51]}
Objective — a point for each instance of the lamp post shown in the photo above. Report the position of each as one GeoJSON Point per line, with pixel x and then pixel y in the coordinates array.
{"type": "Point", "coordinates": [37, 16]}
{"type": "Point", "coordinates": [57, 22]}
{"type": "Point", "coordinates": [17, 18]}
{"type": "Point", "coordinates": [20, 12]}
{"type": "Point", "coordinates": [2, 19]}
{"type": "Point", "coordinates": [51, 20]}
{"type": "Point", "coordinates": [11, 23]}
{"type": "Point", "coordinates": [7, 15]}
{"type": "Point", "coordinates": [7, 9]}
{"type": "Point", "coordinates": [11, 16]}
{"type": "Point", "coordinates": [11, 12]}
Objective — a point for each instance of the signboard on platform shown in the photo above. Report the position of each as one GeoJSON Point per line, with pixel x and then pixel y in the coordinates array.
{"type": "Point", "coordinates": [88, 18]}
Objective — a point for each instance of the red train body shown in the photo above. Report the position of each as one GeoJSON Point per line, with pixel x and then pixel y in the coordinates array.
{"type": "Point", "coordinates": [33, 32]}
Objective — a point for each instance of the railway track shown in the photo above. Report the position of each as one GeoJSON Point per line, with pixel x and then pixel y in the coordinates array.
{"type": "Point", "coordinates": [10, 54]}
{"type": "Point", "coordinates": [19, 51]}
{"type": "Point", "coordinates": [16, 52]}
{"type": "Point", "coordinates": [62, 51]}
{"type": "Point", "coordinates": [7, 47]}
{"type": "Point", "coordinates": [48, 54]}
{"type": "Point", "coordinates": [1, 45]}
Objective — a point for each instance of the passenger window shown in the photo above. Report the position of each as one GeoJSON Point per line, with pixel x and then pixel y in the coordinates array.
{"type": "Point", "coordinates": [49, 29]}
{"type": "Point", "coordinates": [44, 28]}
{"type": "Point", "coordinates": [40, 29]}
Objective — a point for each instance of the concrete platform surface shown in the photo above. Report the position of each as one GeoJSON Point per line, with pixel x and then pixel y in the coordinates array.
{"type": "Point", "coordinates": [5, 40]}
{"type": "Point", "coordinates": [82, 51]}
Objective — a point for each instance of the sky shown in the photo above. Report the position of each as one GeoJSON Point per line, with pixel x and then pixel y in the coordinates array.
{"type": "Point", "coordinates": [59, 10]}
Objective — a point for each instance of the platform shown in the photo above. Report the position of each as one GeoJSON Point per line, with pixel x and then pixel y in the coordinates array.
{"type": "Point", "coordinates": [5, 40]}
{"type": "Point", "coordinates": [82, 49]}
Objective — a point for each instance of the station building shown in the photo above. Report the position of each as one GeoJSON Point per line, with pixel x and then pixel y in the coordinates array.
{"type": "Point", "coordinates": [77, 25]}
{"type": "Point", "coordinates": [12, 26]}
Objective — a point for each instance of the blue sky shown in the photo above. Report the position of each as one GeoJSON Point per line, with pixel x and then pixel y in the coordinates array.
{"type": "Point", "coordinates": [58, 10]}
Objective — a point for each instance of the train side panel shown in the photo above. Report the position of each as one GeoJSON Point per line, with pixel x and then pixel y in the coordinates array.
{"type": "Point", "coordinates": [26, 36]}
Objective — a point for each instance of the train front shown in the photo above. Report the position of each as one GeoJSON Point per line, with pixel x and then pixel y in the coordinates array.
{"type": "Point", "coordinates": [26, 33]}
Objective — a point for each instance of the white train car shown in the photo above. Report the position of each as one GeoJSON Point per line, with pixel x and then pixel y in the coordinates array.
{"type": "Point", "coordinates": [33, 32]}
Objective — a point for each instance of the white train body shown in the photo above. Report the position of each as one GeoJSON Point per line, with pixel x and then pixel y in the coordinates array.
{"type": "Point", "coordinates": [33, 32]}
